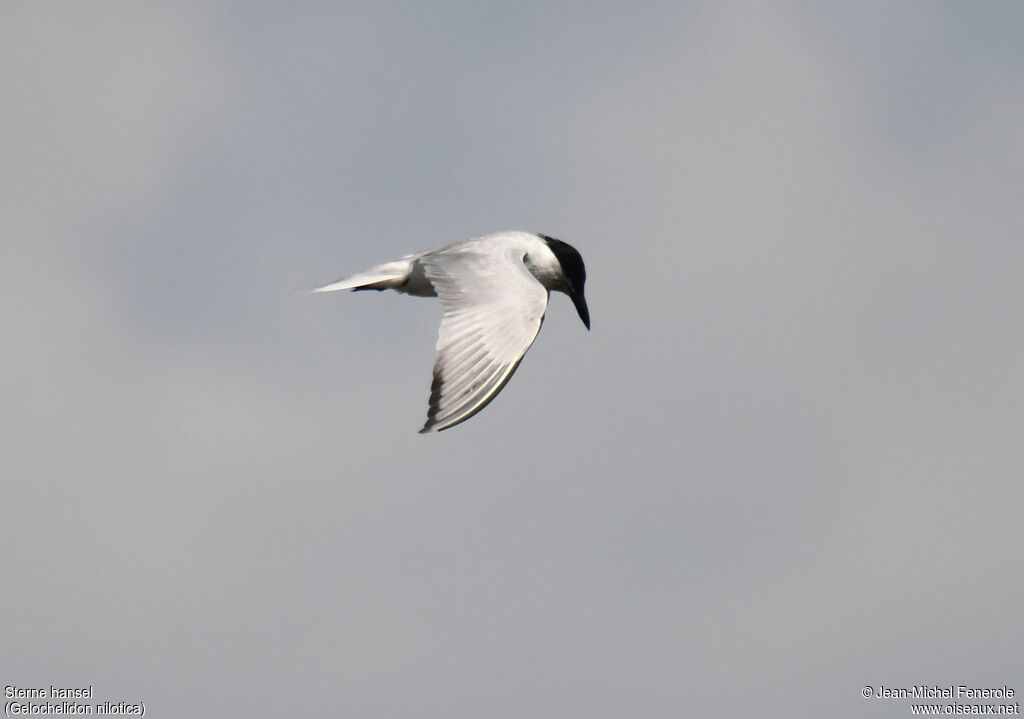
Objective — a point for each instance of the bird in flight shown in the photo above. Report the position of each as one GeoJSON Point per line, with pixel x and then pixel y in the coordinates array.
{"type": "Point", "coordinates": [494, 292]}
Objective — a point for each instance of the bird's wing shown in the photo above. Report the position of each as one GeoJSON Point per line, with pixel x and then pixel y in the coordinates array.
{"type": "Point", "coordinates": [493, 309]}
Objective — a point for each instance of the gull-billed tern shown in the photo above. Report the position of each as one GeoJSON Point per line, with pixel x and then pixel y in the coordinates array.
{"type": "Point", "coordinates": [494, 292]}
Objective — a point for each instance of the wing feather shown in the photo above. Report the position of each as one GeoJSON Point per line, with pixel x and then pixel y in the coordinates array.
{"type": "Point", "coordinates": [493, 309]}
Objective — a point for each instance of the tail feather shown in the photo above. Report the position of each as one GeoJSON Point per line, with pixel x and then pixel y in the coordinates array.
{"type": "Point", "coordinates": [382, 277]}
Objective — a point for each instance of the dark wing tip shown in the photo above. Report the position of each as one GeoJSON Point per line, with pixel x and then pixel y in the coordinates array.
{"type": "Point", "coordinates": [435, 400]}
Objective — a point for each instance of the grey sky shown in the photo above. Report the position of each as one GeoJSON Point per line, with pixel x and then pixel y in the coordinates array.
{"type": "Point", "coordinates": [785, 464]}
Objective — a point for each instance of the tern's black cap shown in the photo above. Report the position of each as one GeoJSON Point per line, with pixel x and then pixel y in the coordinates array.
{"type": "Point", "coordinates": [575, 273]}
